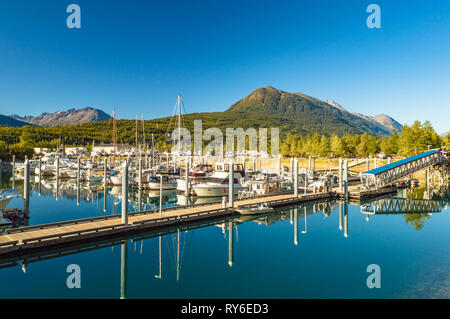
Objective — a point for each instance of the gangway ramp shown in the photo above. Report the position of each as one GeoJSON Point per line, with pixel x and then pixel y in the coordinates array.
{"type": "Point", "coordinates": [403, 206]}
{"type": "Point", "coordinates": [387, 174]}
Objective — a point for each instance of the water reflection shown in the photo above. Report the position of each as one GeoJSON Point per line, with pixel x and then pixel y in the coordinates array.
{"type": "Point", "coordinates": [297, 232]}
{"type": "Point", "coordinates": [415, 205]}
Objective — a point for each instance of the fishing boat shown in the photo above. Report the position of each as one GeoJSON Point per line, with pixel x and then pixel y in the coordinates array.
{"type": "Point", "coordinates": [260, 209]}
{"type": "Point", "coordinates": [218, 185]}
{"type": "Point", "coordinates": [199, 175]}
{"type": "Point", "coordinates": [167, 183]}
{"type": "Point", "coordinates": [272, 184]}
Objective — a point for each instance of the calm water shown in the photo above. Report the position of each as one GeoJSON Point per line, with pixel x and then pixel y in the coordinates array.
{"type": "Point", "coordinates": [297, 252]}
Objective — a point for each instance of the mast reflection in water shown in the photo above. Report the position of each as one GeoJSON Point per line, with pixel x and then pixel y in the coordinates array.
{"type": "Point", "coordinates": [312, 251]}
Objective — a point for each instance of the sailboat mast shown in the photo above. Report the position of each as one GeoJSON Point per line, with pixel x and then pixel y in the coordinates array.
{"type": "Point", "coordinates": [143, 131]}
{"type": "Point", "coordinates": [153, 147]}
{"type": "Point", "coordinates": [136, 132]}
{"type": "Point", "coordinates": [179, 124]}
{"type": "Point", "coordinates": [114, 135]}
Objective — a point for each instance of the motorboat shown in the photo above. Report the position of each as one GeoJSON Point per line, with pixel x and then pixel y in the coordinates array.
{"type": "Point", "coordinates": [264, 186]}
{"type": "Point", "coordinates": [197, 176]}
{"type": "Point", "coordinates": [167, 183]}
{"type": "Point", "coordinates": [218, 184]}
{"type": "Point", "coordinates": [260, 209]}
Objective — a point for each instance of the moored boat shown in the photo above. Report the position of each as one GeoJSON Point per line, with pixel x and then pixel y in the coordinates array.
{"type": "Point", "coordinates": [260, 209]}
{"type": "Point", "coordinates": [167, 183]}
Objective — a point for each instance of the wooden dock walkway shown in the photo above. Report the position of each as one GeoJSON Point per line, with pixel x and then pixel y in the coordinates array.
{"type": "Point", "coordinates": [17, 240]}
{"type": "Point", "coordinates": [60, 234]}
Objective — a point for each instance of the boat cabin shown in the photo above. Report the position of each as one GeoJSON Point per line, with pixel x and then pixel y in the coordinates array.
{"type": "Point", "coordinates": [238, 168]}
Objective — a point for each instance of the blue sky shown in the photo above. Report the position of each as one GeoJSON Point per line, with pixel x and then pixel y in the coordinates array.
{"type": "Point", "coordinates": [136, 56]}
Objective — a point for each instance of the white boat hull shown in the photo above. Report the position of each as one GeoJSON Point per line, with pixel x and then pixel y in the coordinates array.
{"type": "Point", "coordinates": [205, 190]}
{"type": "Point", "coordinates": [116, 180]}
{"type": "Point", "coordinates": [254, 211]}
{"type": "Point", "coordinates": [165, 186]}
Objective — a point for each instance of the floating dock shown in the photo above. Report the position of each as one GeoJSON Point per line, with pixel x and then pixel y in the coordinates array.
{"type": "Point", "coordinates": [355, 193]}
{"type": "Point", "coordinates": [17, 241]}
{"type": "Point", "coordinates": [40, 237]}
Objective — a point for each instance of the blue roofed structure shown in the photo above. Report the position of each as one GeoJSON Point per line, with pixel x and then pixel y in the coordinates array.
{"type": "Point", "coordinates": [387, 174]}
{"type": "Point", "coordinates": [387, 167]}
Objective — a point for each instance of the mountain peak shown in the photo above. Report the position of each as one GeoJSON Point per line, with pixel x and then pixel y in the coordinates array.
{"type": "Point", "coordinates": [388, 122]}
{"type": "Point", "coordinates": [335, 104]}
{"type": "Point", "coordinates": [310, 114]}
{"type": "Point", "coordinates": [72, 116]}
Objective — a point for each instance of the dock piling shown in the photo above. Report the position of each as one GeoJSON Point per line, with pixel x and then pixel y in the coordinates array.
{"type": "Point", "coordinates": [40, 167]}
{"type": "Point", "coordinates": [57, 169]}
{"type": "Point", "coordinates": [140, 171]}
{"type": "Point", "coordinates": [346, 219]}
{"type": "Point", "coordinates": [230, 243]}
{"type": "Point", "coordinates": [230, 185]}
{"type": "Point", "coordinates": [296, 226]}
{"type": "Point", "coordinates": [346, 178]}
{"type": "Point", "coordinates": [186, 190]}
{"type": "Point", "coordinates": [292, 170]}
{"type": "Point", "coordinates": [105, 163]}
{"type": "Point", "coordinates": [104, 199]}
{"type": "Point", "coordinates": [160, 194]}
{"type": "Point", "coordinates": [295, 177]}
{"type": "Point", "coordinates": [125, 192]}
{"type": "Point", "coordinates": [26, 180]}
{"type": "Point", "coordinates": [13, 170]}
{"type": "Point", "coordinates": [123, 269]}
{"type": "Point", "coordinates": [78, 169]}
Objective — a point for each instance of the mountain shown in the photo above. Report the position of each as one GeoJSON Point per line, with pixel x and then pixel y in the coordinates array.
{"type": "Point", "coordinates": [62, 118]}
{"type": "Point", "coordinates": [382, 119]}
{"type": "Point", "coordinates": [265, 107]}
{"type": "Point", "coordinates": [445, 134]}
{"type": "Point", "coordinates": [335, 104]}
{"type": "Point", "coordinates": [9, 121]}
{"type": "Point", "coordinates": [388, 122]}
{"type": "Point", "coordinates": [309, 115]}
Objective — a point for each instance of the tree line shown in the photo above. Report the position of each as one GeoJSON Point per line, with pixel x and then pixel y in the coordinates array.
{"type": "Point", "coordinates": [411, 140]}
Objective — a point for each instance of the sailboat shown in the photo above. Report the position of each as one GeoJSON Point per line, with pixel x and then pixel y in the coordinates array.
{"type": "Point", "coordinates": [177, 147]}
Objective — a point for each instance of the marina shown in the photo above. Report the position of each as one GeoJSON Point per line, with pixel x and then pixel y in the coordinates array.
{"type": "Point", "coordinates": [28, 238]}
{"type": "Point", "coordinates": [185, 259]}
{"type": "Point", "coordinates": [214, 152]}
{"type": "Point", "coordinates": [86, 207]}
